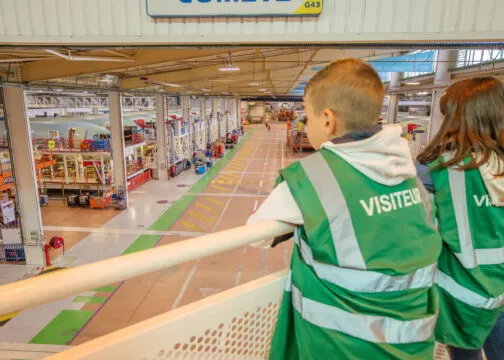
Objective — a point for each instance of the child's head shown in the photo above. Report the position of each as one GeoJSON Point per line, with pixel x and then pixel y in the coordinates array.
{"type": "Point", "coordinates": [473, 122]}
{"type": "Point", "coordinates": [343, 97]}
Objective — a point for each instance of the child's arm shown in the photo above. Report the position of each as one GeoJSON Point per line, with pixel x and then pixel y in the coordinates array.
{"type": "Point", "coordinates": [279, 206]}
{"type": "Point", "coordinates": [423, 172]}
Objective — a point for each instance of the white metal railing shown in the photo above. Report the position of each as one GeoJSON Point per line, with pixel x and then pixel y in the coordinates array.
{"type": "Point", "coordinates": [234, 324]}
{"type": "Point", "coordinates": [25, 294]}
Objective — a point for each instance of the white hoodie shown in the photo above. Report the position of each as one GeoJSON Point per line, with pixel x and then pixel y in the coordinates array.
{"type": "Point", "coordinates": [384, 158]}
{"type": "Point", "coordinates": [494, 184]}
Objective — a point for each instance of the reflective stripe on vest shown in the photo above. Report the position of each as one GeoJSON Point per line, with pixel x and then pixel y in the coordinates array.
{"type": "Point", "coordinates": [467, 296]}
{"type": "Point", "coordinates": [469, 257]}
{"type": "Point", "coordinates": [365, 280]}
{"type": "Point", "coordinates": [329, 193]}
{"type": "Point", "coordinates": [376, 329]}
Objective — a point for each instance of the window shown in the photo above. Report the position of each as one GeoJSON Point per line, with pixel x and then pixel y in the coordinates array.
{"type": "Point", "coordinates": [473, 57]}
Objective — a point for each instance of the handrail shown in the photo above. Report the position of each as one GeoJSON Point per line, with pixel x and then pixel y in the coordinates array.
{"type": "Point", "coordinates": [57, 285]}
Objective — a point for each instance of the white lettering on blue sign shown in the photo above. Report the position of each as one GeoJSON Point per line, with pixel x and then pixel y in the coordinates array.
{"type": "Point", "coordinates": [227, 1]}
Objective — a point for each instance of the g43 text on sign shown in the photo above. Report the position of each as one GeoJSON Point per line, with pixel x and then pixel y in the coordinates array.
{"type": "Point", "coordinates": [233, 8]}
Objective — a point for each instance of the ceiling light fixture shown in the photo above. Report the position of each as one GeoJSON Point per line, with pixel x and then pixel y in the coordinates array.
{"type": "Point", "coordinates": [106, 78]}
{"type": "Point", "coordinates": [206, 90]}
{"type": "Point", "coordinates": [229, 67]}
{"type": "Point", "coordinates": [148, 81]}
{"type": "Point", "coordinates": [253, 83]}
{"type": "Point", "coordinates": [172, 85]}
{"type": "Point", "coordinates": [413, 83]}
{"type": "Point", "coordinates": [262, 90]}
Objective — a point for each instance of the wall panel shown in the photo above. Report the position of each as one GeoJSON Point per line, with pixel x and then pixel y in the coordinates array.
{"type": "Point", "coordinates": [126, 22]}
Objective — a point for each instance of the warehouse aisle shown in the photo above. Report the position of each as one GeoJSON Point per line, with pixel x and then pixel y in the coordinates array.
{"type": "Point", "coordinates": [227, 201]}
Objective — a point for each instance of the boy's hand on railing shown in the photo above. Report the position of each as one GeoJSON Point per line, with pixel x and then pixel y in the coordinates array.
{"type": "Point", "coordinates": [272, 242]}
{"type": "Point", "coordinates": [281, 239]}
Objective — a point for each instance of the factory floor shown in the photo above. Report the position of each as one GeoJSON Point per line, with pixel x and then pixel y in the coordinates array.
{"type": "Point", "coordinates": [160, 213]}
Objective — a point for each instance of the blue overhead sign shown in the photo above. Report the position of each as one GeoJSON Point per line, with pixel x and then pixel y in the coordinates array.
{"type": "Point", "coordinates": [421, 62]}
{"type": "Point", "coordinates": [205, 8]}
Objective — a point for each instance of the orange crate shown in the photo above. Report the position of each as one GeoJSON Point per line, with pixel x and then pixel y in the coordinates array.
{"type": "Point", "coordinates": [98, 202]}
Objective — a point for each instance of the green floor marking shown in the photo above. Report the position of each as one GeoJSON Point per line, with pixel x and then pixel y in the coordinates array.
{"type": "Point", "coordinates": [67, 323]}
{"type": "Point", "coordinates": [90, 299]}
{"type": "Point", "coordinates": [62, 329]}
{"type": "Point", "coordinates": [106, 289]}
{"type": "Point", "coordinates": [144, 242]}
{"type": "Point", "coordinates": [212, 173]}
{"type": "Point", "coordinates": [166, 221]}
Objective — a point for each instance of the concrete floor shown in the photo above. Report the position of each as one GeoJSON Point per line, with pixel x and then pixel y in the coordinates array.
{"type": "Point", "coordinates": [226, 202]}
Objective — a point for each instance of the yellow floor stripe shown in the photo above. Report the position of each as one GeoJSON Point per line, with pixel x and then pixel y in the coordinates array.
{"type": "Point", "coordinates": [225, 180]}
{"type": "Point", "coordinates": [191, 226]}
{"type": "Point", "coordinates": [236, 167]}
{"type": "Point", "coordinates": [236, 176]}
{"type": "Point", "coordinates": [201, 217]}
{"type": "Point", "coordinates": [220, 187]}
{"type": "Point", "coordinates": [207, 208]}
{"type": "Point", "coordinates": [217, 202]}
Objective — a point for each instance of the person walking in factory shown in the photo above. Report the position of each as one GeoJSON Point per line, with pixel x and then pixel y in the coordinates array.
{"type": "Point", "coordinates": [464, 167]}
{"type": "Point", "coordinates": [364, 262]}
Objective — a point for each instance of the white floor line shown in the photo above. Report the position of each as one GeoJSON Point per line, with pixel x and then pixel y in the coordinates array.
{"type": "Point", "coordinates": [121, 231]}
{"type": "Point", "coordinates": [180, 295]}
{"type": "Point", "coordinates": [226, 195]}
{"type": "Point", "coordinates": [193, 270]}
{"type": "Point", "coordinates": [255, 205]}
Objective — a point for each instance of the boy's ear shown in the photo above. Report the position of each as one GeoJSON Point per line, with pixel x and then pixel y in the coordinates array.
{"type": "Point", "coordinates": [330, 123]}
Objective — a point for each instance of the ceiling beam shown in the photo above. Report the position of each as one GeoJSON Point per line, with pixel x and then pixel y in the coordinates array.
{"type": "Point", "coordinates": [211, 72]}
{"type": "Point", "coordinates": [58, 68]}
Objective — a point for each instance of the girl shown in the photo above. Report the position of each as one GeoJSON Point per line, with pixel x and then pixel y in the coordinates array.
{"type": "Point", "coordinates": [464, 166]}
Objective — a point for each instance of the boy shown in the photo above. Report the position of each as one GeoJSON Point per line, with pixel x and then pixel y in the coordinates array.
{"type": "Point", "coordinates": [362, 270]}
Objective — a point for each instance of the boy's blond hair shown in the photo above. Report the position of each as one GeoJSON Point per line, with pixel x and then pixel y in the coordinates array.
{"type": "Point", "coordinates": [351, 89]}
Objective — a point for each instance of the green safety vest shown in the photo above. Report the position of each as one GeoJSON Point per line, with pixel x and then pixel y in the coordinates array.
{"type": "Point", "coordinates": [471, 266]}
{"type": "Point", "coordinates": [362, 272]}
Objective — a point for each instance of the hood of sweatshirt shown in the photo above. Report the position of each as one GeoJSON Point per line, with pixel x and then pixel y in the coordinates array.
{"type": "Point", "coordinates": [494, 184]}
{"type": "Point", "coordinates": [384, 157]}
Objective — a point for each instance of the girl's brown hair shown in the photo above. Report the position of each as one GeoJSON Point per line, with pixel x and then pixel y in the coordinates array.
{"type": "Point", "coordinates": [473, 122]}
